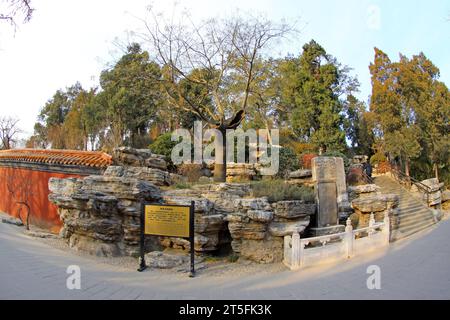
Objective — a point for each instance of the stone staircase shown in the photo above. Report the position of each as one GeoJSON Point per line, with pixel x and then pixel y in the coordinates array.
{"type": "Point", "coordinates": [414, 215]}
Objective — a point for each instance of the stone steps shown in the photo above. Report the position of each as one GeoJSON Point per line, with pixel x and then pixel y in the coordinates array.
{"type": "Point", "coordinates": [414, 215]}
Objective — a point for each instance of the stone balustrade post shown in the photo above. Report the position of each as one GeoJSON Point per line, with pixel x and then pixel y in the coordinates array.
{"type": "Point", "coordinates": [387, 226]}
{"type": "Point", "coordinates": [349, 238]}
{"type": "Point", "coordinates": [297, 252]}
{"type": "Point", "coordinates": [287, 250]}
{"type": "Point", "coordinates": [371, 224]}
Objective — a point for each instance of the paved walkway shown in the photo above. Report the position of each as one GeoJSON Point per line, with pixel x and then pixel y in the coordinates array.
{"type": "Point", "coordinates": [414, 268]}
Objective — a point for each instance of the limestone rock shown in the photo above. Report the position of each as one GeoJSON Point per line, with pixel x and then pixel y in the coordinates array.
{"type": "Point", "coordinates": [126, 156]}
{"type": "Point", "coordinates": [267, 251]}
{"type": "Point", "coordinates": [90, 246]}
{"type": "Point", "coordinates": [13, 221]}
{"type": "Point", "coordinates": [445, 196]}
{"type": "Point", "coordinates": [260, 215]}
{"type": "Point", "coordinates": [294, 209]}
{"type": "Point", "coordinates": [204, 179]}
{"type": "Point", "coordinates": [200, 204]}
{"type": "Point", "coordinates": [247, 230]}
{"type": "Point", "coordinates": [252, 204]}
{"type": "Point", "coordinates": [299, 174]}
{"type": "Point", "coordinates": [161, 260]}
{"type": "Point", "coordinates": [156, 176]}
{"type": "Point", "coordinates": [281, 229]}
{"type": "Point", "coordinates": [64, 186]}
{"type": "Point", "coordinates": [177, 178]}
{"type": "Point", "coordinates": [208, 223]}
{"type": "Point", "coordinates": [433, 198]}
{"type": "Point", "coordinates": [366, 188]}
{"type": "Point", "coordinates": [433, 184]}
{"type": "Point", "coordinates": [41, 234]}
{"type": "Point", "coordinates": [123, 188]}
{"type": "Point", "coordinates": [375, 203]}
{"type": "Point", "coordinates": [240, 169]}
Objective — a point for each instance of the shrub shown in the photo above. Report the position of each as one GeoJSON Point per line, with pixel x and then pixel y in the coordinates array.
{"type": "Point", "coordinates": [163, 145]}
{"type": "Point", "coordinates": [301, 148]}
{"type": "Point", "coordinates": [377, 158]}
{"type": "Point", "coordinates": [306, 160]}
{"type": "Point", "coordinates": [279, 190]}
{"type": "Point", "coordinates": [182, 185]}
{"type": "Point", "coordinates": [288, 162]}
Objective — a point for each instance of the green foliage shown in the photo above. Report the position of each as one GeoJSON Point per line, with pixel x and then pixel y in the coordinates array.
{"type": "Point", "coordinates": [410, 109]}
{"type": "Point", "coordinates": [312, 85]}
{"type": "Point", "coordinates": [377, 158]}
{"type": "Point", "coordinates": [233, 258]}
{"type": "Point", "coordinates": [131, 97]}
{"type": "Point", "coordinates": [182, 185]}
{"type": "Point", "coordinates": [357, 128]}
{"type": "Point", "coordinates": [163, 145]}
{"type": "Point", "coordinates": [279, 190]}
{"type": "Point", "coordinates": [288, 162]}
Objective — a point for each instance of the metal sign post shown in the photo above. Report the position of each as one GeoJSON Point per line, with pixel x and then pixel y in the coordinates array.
{"type": "Point", "coordinates": [167, 221]}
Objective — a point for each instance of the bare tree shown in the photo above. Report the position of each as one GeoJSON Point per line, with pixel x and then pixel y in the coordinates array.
{"type": "Point", "coordinates": [8, 132]}
{"type": "Point", "coordinates": [16, 9]}
{"type": "Point", "coordinates": [210, 56]}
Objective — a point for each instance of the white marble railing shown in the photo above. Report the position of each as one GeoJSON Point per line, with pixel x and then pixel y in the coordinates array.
{"type": "Point", "coordinates": [337, 246]}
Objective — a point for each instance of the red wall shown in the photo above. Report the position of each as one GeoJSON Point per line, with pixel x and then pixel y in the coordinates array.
{"type": "Point", "coordinates": [30, 186]}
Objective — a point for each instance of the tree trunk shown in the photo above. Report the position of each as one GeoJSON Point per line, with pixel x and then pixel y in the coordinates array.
{"type": "Point", "coordinates": [408, 180]}
{"type": "Point", "coordinates": [436, 171]}
{"type": "Point", "coordinates": [220, 170]}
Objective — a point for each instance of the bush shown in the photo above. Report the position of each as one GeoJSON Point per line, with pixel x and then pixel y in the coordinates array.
{"type": "Point", "coordinates": [163, 145]}
{"type": "Point", "coordinates": [377, 158]}
{"type": "Point", "coordinates": [288, 162]}
{"type": "Point", "coordinates": [279, 190]}
{"type": "Point", "coordinates": [306, 160]}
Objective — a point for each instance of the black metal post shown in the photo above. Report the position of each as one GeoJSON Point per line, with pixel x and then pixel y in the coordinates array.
{"type": "Point", "coordinates": [142, 265]}
{"type": "Point", "coordinates": [191, 238]}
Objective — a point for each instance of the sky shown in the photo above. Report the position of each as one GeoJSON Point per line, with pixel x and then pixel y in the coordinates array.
{"type": "Point", "coordinates": [73, 40]}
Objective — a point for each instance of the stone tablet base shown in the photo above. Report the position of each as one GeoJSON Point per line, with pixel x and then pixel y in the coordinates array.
{"type": "Point", "coordinates": [317, 232]}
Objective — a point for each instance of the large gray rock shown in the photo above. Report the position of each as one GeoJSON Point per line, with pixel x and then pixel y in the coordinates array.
{"type": "Point", "coordinates": [161, 260]}
{"type": "Point", "coordinates": [294, 209]}
{"type": "Point", "coordinates": [433, 184]}
{"type": "Point", "coordinates": [241, 227]}
{"type": "Point", "coordinates": [300, 174]}
{"type": "Point", "coordinates": [260, 215]}
{"type": "Point", "coordinates": [268, 251]}
{"type": "Point", "coordinates": [126, 156]}
{"type": "Point", "coordinates": [281, 229]}
{"type": "Point", "coordinates": [445, 196]}
{"type": "Point", "coordinates": [375, 203]}
{"type": "Point", "coordinates": [123, 188]}
{"type": "Point", "coordinates": [12, 220]}
{"type": "Point", "coordinates": [366, 188]}
{"type": "Point", "coordinates": [155, 176]}
{"type": "Point", "coordinates": [252, 204]}
{"type": "Point", "coordinates": [240, 171]}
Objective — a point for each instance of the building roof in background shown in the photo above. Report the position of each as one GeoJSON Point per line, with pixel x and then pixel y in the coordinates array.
{"type": "Point", "coordinates": [93, 159]}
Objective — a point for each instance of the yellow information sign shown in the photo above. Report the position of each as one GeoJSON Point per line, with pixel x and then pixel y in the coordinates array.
{"type": "Point", "coordinates": [171, 221]}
